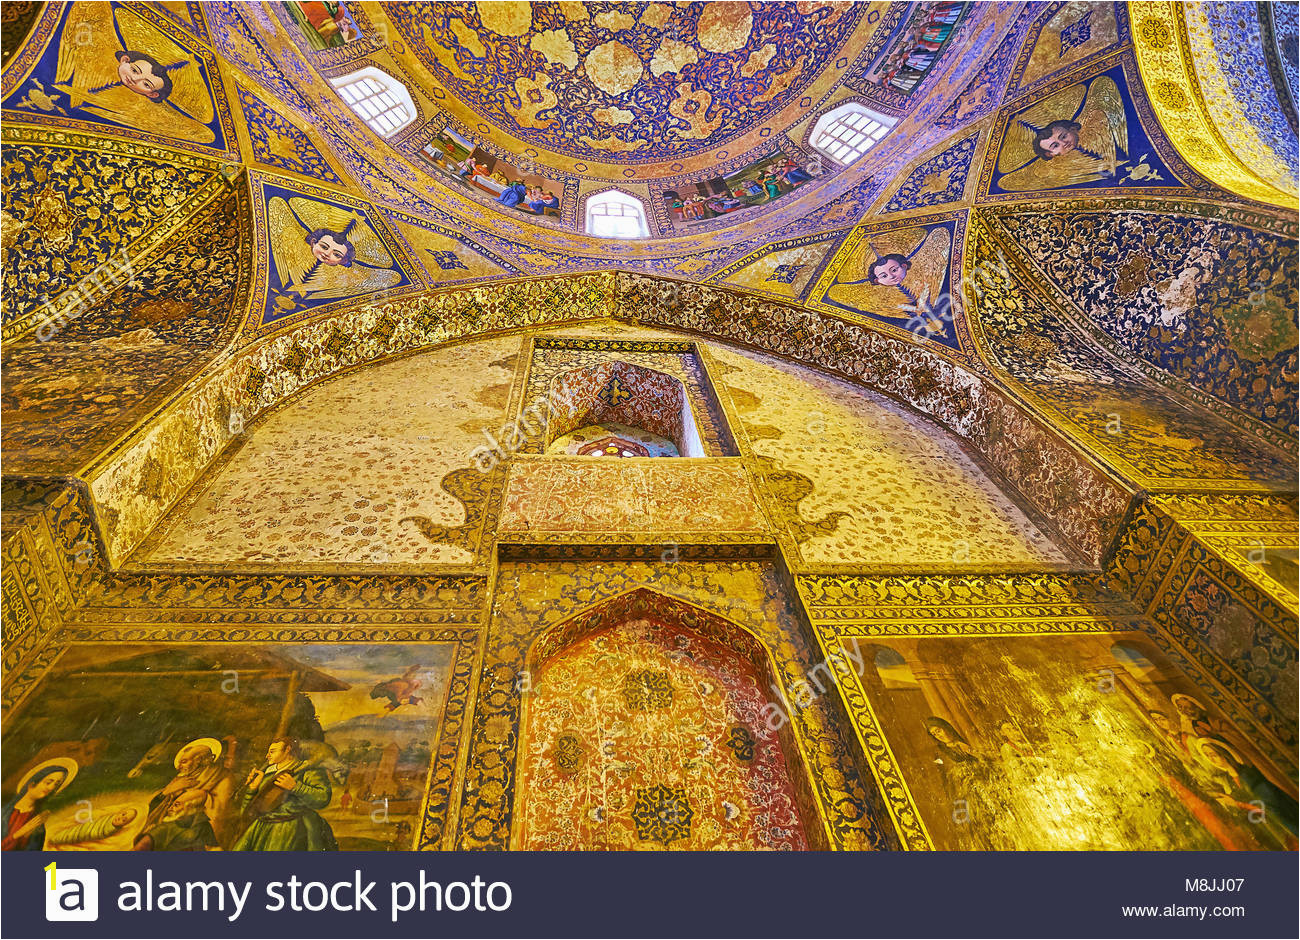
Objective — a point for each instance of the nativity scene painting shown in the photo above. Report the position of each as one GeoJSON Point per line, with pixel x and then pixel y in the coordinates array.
{"type": "Point", "coordinates": [112, 65]}
{"type": "Point", "coordinates": [212, 747]}
{"type": "Point", "coordinates": [1086, 741]}
{"type": "Point", "coordinates": [321, 252]}
{"type": "Point", "coordinates": [1082, 136]}
{"type": "Point", "coordinates": [899, 276]}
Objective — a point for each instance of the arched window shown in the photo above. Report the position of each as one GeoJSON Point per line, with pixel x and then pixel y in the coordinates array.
{"type": "Point", "coordinates": [615, 214]}
{"type": "Point", "coordinates": [380, 100]}
{"type": "Point", "coordinates": [847, 132]}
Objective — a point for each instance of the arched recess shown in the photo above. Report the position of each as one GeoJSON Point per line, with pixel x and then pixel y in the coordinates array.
{"type": "Point", "coordinates": [270, 371]}
{"type": "Point", "coordinates": [646, 727]}
{"type": "Point", "coordinates": [626, 394]}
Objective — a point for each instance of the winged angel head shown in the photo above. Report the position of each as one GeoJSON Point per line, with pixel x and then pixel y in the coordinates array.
{"type": "Point", "coordinates": [1075, 136]}
{"type": "Point", "coordinates": [115, 65]}
{"type": "Point", "coordinates": [324, 252]}
{"type": "Point", "coordinates": [903, 274]}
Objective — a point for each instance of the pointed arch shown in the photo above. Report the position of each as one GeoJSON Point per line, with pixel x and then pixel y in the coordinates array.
{"type": "Point", "coordinates": [695, 681]}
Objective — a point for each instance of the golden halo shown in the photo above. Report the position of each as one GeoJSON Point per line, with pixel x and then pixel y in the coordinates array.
{"type": "Point", "coordinates": [66, 764]}
{"type": "Point", "coordinates": [212, 744]}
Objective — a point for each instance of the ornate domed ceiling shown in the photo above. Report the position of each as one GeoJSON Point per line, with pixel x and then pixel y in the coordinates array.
{"type": "Point", "coordinates": [627, 83]}
{"type": "Point", "coordinates": [666, 101]}
{"type": "Point", "coordinates": [704, 112]}
{"type": "Point", "coordinates": [206, 246]}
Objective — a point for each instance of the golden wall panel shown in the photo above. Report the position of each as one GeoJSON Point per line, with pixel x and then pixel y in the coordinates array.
{"type": "Point", "coordinates": [857, 479]}
{"type": "Point", "coordinates": [981, 701]}
{"type": "Point", "coordinates": [347, 472]}
{"type": "Point", "coordinates": [1090, 740]}
{"type": "Point", "coordinates": [641, 499]}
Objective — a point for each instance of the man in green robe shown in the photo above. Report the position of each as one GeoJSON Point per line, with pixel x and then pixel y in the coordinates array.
{"type": "Point", "coordinates": [281, 799]}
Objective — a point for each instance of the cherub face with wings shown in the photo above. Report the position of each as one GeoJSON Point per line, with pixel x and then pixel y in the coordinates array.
{"type": "Point", "coordinates": [1078, 135]}
{"type": "Point", "coordinates": [114, 64]}
{"type": "Point", "coordinates": [143, 74]}
{"type": "Point", "coordinates": [324, 251]}
{"type": "Point", "coordinates": [903, 273]}
{"type": "Point", "coordinates": [888, 271]}
{"type": "Point", "coordinates": [330, 247]}
{"type": "Point", "coordinates": [1057, 138]}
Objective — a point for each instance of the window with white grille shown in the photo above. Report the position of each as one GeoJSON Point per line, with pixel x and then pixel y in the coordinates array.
{"type": "Point", "coordinates": [849, 131]}
{"type": "Point", "coordinates": [615, 214]}
{"type": "Point", "coordinates": [379, 99]}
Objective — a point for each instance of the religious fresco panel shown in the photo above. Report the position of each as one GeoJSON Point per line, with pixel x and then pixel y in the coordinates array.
{"type": "Point", "coordinates": [325, 25]}
{"type": "Point", "coordinates": [1087, 741]}
{"type": "Point", "coordinates": [917, 47]}
{"type": "Point", "coordinates": [250, 747]}
{"type": "Point", "coordinates": [756, 184]}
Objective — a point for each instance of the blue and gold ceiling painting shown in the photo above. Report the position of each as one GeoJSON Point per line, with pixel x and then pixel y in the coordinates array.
{"type": "Point", "coordinates": [939, 180]}
{"type": "Point", "coordinates": [1279, 26]}
{"type": "Point", "coordinates": [1066, 36]}
{"type": "Point", "coordinates": [1051, 103]}
{"type": "Point", "coordinates": [123, 67]}
{"type": "Point", "coordinates": [1261, 119]}
{"type": "Point", "coordinates": [984, 92]}
{"type": "Point", "coordinates": [571, 80]}
{"type": "Point", "coordinates": [899, 275]}
{"type": "Point", "coordinates": [1086, 135]}
{"type": "Point", "coordinates": [784, 269]}
{"type": "Point", "coordinates": [189, 15]}
{"type": "Point", "coordinates": [447, 256]}
{"type": "Point", "coordinates": [279, 144]}
{"type": "Point", "coordinates": [323, 251]}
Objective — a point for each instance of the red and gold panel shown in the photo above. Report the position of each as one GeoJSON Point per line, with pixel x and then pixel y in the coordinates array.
{"type": "Point", "coordinates": [649, 736]}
